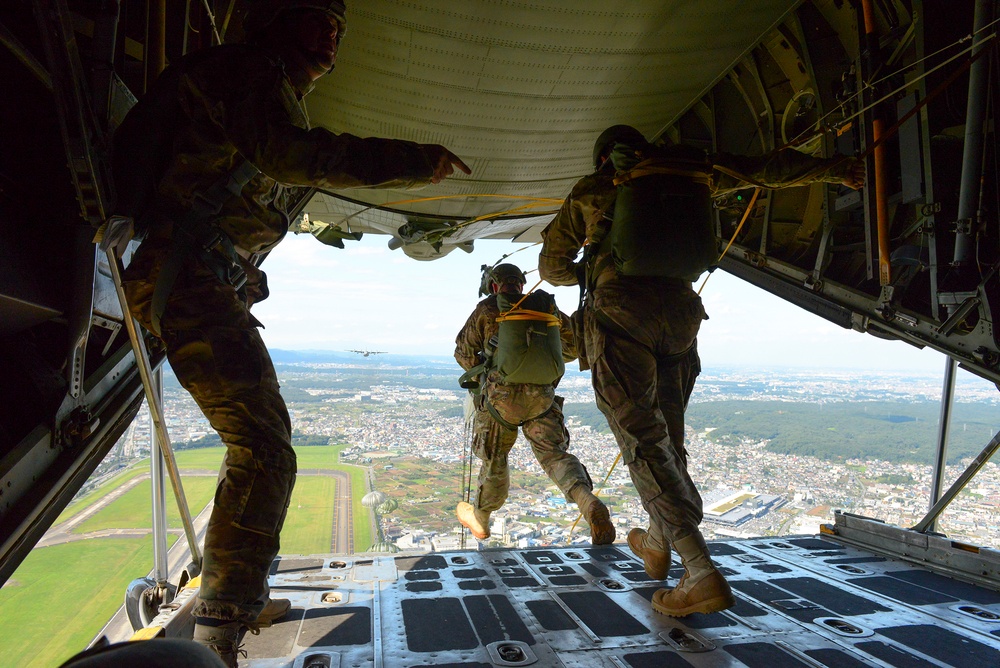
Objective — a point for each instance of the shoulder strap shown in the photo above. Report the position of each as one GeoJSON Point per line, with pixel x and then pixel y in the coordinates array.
{"type": "Point", "coordinates": [699, 172]}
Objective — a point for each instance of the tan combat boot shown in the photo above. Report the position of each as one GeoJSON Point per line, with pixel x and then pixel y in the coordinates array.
{"type": "Point", "coordinates": [275, 609]}
{"type": "Point", "coordinates": [655, 560]}
{"type": "Point", "coordinates": [602, 531]}
{"type": "Point", "coordinates": [473, 519]}
{"type": "Point", "coordinates": [702, 589]}
{"type": "Point", "coordinates": [225, 640]}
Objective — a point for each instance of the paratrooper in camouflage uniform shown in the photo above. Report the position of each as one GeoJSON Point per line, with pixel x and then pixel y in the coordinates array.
{"type": "Point", "coordinates": [639, 339]}
{"type": "Point", "coordinates": [535, 407]}
{"type": "Point", "coordinates": [245, 101]}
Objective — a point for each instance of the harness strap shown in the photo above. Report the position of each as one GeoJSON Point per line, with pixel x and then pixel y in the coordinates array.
{"type": "Point", "coordinates": [510, 425]}
{"type": "Point", "coordinates": [192, 232]}
{"type": "Point", "coordinates": [470, 379]}
{"type": "Point", "coordinates": [527, 314]}
{"type": "Point", "coordinates": [652, 166]}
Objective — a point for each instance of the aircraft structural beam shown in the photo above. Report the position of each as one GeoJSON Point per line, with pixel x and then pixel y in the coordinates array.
{"type": "Point", "coordinates": [977, 464]}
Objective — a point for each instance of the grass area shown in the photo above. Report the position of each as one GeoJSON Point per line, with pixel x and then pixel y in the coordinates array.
{"type": "Point", "coordinates": [60, 596]}
{"type": "Point", "coordinates": [209, 459]}
{"type": "Point", "coordinates": [314, 457]}
{"type": "Point", "coordinates": [81, 504]}
{"type": "Point", "coordinates": [308, 526]}
{"type": "Point", "coordinates": [133, 510]}
{"type": "Point", "coordinates": [322, 457]}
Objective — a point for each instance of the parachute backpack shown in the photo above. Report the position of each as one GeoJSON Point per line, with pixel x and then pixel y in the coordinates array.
{"type": "Point", "coordinates": [529, 346]}
{"type": "Point", "coordinates": [663, 223]}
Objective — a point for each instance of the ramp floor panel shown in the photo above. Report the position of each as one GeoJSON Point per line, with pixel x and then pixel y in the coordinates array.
{"type": "Point", "coordinates": [801, 601]}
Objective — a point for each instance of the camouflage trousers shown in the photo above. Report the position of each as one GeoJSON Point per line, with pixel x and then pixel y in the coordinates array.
{"type": "Point", "coordinates": [215, 350]}
{"type": "Point", "coordinates": [547, 434]}
{"type": "Point", "coordinates": [641, 344]}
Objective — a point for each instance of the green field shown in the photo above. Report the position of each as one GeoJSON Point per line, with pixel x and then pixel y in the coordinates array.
{"type": "Point", "coordinates": [309, 524]}
{"type": "Point", "coordinates": [133, 510]}
{"type": "Point", "coordinates": [323, 457]}
{"type": "Point", "coordinates": [59, 598]}
{"type": "Point", "coordinates": [81, 504]}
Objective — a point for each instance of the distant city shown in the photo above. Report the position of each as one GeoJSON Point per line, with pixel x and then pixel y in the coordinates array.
{"type": "Point", "coordinates": [395, 409]}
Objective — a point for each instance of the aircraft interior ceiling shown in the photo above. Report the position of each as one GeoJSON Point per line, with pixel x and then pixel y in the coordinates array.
{"type": "Point", "coordinates": [520, 90]}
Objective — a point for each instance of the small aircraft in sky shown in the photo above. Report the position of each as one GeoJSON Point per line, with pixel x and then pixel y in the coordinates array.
{"type": "Point", "coordinates": [366, 353]}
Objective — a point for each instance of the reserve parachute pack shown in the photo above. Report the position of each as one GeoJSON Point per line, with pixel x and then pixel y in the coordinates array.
{"type": "Point", "coordinates": [529, 346]}
{"type": "Point", "coordinates": [663, 223]}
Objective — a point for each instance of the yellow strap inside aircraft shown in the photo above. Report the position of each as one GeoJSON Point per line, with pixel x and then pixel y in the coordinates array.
{"type": "Point", "coordinates": [746, 214]}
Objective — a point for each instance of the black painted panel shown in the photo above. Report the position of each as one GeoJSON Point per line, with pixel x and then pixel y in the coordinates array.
{"type": "Point", "coordinates": [421, 563]}
{"type": "Point", "coordinates": [469, 573]}
{"type": "Point", "coordinates": [605, 553]}
{"type": "Point", "coordinates": [829, 596]}
{"type": "Point", "coordinates": [296, 565]}
{"type": "Point", "coordinates": [414, 576]}
{"type": "Point", "coordinates": [551, 616]}
{"type": "Point", "coordinates": [723, 549]}
{"type": "Point", "coordinates": [960, 590]}
{"type": "Point", "coordinates": [278, 640]}
{"type": "Point", "coordinates": [336, 626]}
{"type": "Point", "coordinates": [424, 586]}
{"type": "Point", "coordinates": [516, 583]}
{"type": "Point", "coordinates": [656, 660]}
{"type": "Point", "coordinates": [856, 560]}
{"type": "Point", "coordinates": [901, 590]}
{"type": "Point", "coordinates": [763, 655]}
{"type": "Point", "coordinates": [772, 568]}
{"type": "Point", "coordinates": [893, 655]}
{"type": "Point", "coordinates": [601, 614]}
{"type": "Point", "coordinates": [541, 557]}
{"type": "Point", "coordinates": [494, 618]}
{"type": "Point", "coordinates": [835, 658]}
{"type": "Point", "coordinates": [436, 624]}
{"type": "Point", "coordinates": [814, 544]}
{"type": "Point", "coordinates": [943, 644]}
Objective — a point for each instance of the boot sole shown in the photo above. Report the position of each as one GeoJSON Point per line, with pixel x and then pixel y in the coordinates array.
{"type": "Point", "coordinates": [475, 534]}
{"type": "Point", "coordinates": [717, 604]}
{"type": "Point", "coordinates": [602, 531]}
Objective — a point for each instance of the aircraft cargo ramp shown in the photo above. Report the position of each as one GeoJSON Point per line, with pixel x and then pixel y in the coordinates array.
{"type": "Point", "coordinates": [801, 601]}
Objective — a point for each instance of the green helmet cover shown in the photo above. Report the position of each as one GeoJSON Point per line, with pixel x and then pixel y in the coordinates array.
{"type": "Point", "coordinates": [263, 13]}
{"type": "Point", "coordinates": [612, 136]}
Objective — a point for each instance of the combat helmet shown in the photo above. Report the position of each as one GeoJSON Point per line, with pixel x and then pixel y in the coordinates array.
{"type": "Point", "coordinates": [613, 135]}
{"type": "Point", "coordinates": [501, 274]}
{"type": "Point", "coordinates": [262, 13]}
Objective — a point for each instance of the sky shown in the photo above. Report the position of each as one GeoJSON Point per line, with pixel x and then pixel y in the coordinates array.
{"type": "Point", "coordinates": [367, 297]}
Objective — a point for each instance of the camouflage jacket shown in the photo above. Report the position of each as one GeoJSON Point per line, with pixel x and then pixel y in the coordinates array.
{"type": "Point", "coordinates": [582, 220]}
{"type": "Point", "coordinates": [482, 325]}
{"type": "Point", "coordinates": [238, 102]}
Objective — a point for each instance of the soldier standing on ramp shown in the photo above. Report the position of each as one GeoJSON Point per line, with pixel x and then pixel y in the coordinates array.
{"type": "Point", "coordinates": [522, 366]}
{"type": "Point", "coordinates": [641, 319]}
{"type": "Point", "coordinates": [237, 138]}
